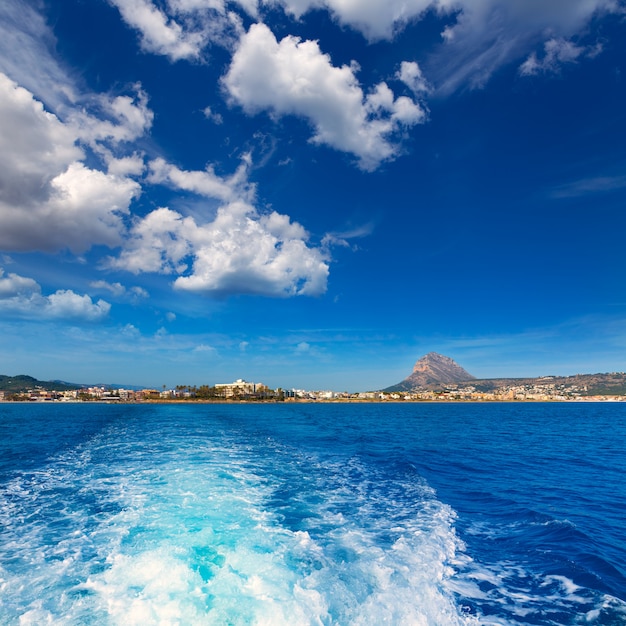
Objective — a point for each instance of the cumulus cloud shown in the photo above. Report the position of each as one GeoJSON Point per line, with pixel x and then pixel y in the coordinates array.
{"type": "Point", "coordinates": [240, 251]}
{"type": "Point", "coordinates": [159, 242]}
{"type": "Point", "coordinates": [294, 77]}
{"type": "Point", "coordinates": [22, 297]}
{"type": "Point", "coordinates": [411, 75]}
{"type": "Point", "coordinates": [244, 252]}
{"type": "Point", "coordinates": [49, 200]}
{"type": "Point", "coordinates": [33, 141]}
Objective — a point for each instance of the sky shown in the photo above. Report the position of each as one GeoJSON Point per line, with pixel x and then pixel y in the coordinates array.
{"type": "Point", "coordinates": [311, 194]}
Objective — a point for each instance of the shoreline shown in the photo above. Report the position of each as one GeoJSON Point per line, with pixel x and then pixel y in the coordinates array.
{"type": "Point", "coordinates": [290, 401]}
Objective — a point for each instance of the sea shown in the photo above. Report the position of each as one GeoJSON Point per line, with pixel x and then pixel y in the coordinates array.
{"type": "Point", "coordinates": [313, 514]}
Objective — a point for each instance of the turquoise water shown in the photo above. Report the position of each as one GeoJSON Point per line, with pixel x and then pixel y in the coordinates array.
{"type": "Point", "coordinates": [420, 514]}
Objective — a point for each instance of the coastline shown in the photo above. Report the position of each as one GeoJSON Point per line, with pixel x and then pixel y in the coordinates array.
{"type": "Point", "coordinates": [362, 401]}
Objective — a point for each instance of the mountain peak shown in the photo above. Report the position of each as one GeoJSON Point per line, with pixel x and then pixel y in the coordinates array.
{"type": "Point", "coordinates": [433, 370]}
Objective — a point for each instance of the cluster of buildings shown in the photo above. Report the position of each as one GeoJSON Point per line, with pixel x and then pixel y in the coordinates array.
{"type": "Point", "coordinates": [241, 390]}
{"type": "Point", "coordinates": [38, 394]}
{"type": "Point", "coordinates": [237, 390]}
{"type": "Point", "coordinates": [533, 392]}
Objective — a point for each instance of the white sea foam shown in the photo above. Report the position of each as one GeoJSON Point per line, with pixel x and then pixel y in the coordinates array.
{"type": "Point", "coordinates": [163, 534]}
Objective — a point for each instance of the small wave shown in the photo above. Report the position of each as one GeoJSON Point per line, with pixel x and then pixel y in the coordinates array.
{"type": "Point", "coordinates": [513, 593]}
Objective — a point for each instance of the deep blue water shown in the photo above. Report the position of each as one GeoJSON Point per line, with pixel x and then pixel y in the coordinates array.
{"type": "Point", "coordinates": [415, 514]}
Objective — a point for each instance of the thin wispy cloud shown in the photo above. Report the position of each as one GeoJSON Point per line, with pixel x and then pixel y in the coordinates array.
{"type": "Point", "coordinates": [590, 186]}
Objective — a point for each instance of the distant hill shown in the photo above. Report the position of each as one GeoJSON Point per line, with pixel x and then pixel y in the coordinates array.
{"type": "Point", "coordinates": [17, 384]}
{"type": "Point", "coordinates": [432, 370]}
{"type": "Point", "coordinates": [601, 384]}
{"type": "Point", "coordinates": [435, 371]}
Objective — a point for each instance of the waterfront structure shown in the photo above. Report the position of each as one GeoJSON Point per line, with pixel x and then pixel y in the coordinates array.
{"type": "Point", "coordinates": [239, 388]}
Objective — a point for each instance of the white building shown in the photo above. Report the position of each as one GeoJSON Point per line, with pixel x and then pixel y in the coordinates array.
{"type": "Point", "coordinates": [239, 388]}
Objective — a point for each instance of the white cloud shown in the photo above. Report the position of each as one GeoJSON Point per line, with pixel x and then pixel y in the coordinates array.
{"type": "Point", "coordinates": [14, 286]}
{"type": "Point", "coordinates": [130, 331]}
{"type": "Point", "coordinates": [32, 141]}
{"type": "Point", "coordinates": [376, 19]}
{"type": "Point", "coordinates": [159, 242]}
{"type": "Point", "coordinates": [116, 289]}
{"type": "Point", "coordinates": [119, 118]}
{"type": "Point", "coordinates": [65, 304]}
{"type": "Point", "coordinates": [240, 251]}
{"type": "Point", "coordinates": [206, 183]}
{"type": "Point", "coordinates": [22, 297]}
{"type": "Point", "coordinates": [216, 118]}
{"type": "Point", "coordinates": [181, 29]}
{"type": "Point", "coordinates": [27, 53]}
{"type": "Point", "coordinates": [556, 53]}
{"type": "Point", "coordinates": [295, 77]}
{"type": "Point", "coordinates": [243, 252]}
{"type": "Point", "coordinates": [159, 33]}
{"type": "Point", "coordinates": [49, 200]}
{"type": "Point", "coordinates": [590, 186]}
{"type": "Point", "coordinates": [203, 348]}
{"type": "Point", "coordinates": [411, 75]}
{"type": "Point", "coordinates": [125, 166]}
{"type": "Point", "coordinates": [138, 292]}
{"type": "Point", "coordinates": [341, 238]}
{"type": "Point", "coordinates": [120, 291]}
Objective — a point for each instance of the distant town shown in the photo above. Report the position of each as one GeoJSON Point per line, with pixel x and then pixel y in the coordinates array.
{"type": "Point", "coordinates": [547, 389]}
{"type": "Point", "coordinates": [435, 378]}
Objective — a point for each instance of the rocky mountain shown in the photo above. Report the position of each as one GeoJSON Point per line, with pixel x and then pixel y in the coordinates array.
{"type": "Point", "coordinates": [431, 371]}
{"type": "Point", "coordinates": [435, 372]}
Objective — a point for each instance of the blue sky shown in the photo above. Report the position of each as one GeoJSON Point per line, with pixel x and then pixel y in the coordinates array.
{"type": "Point", "coordinates": [311, 194]}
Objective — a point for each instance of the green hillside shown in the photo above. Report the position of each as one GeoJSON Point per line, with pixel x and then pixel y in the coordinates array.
{"type": "Point", "coordinates": [21, 383]}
